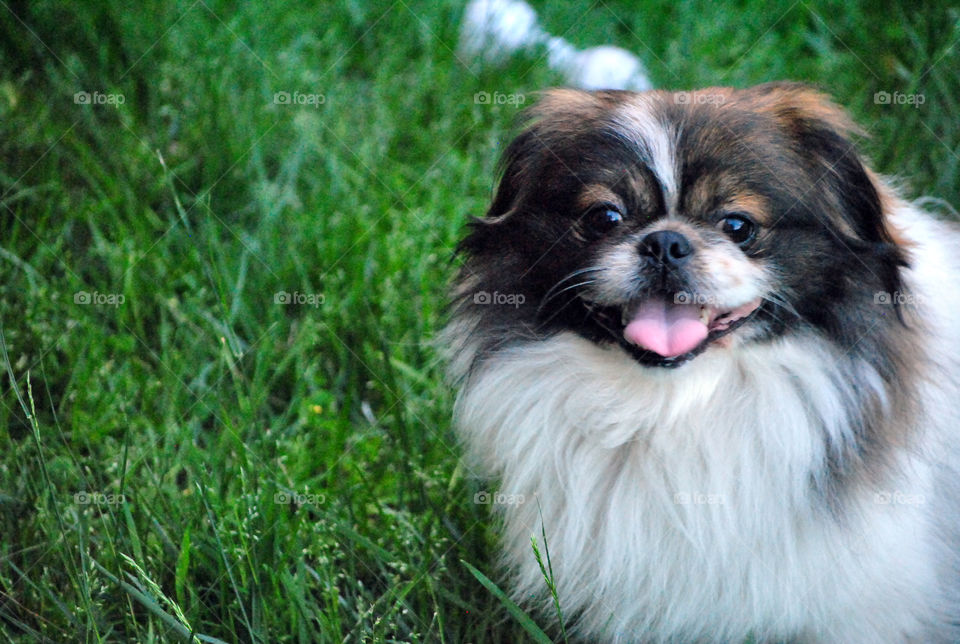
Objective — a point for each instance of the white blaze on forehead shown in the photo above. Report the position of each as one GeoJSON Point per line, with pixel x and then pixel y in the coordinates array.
{"type": "Point", "coordinates": [657, 139]}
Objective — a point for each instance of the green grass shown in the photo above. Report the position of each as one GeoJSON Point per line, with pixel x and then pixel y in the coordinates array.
{"type": "Point", "coordinates": [203, 403]}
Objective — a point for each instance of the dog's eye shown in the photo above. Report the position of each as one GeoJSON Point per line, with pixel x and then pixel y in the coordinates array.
{"type": "Point", "coordinates": [739, 229]}
{"type": "Point", "coordinates": [602, 218]}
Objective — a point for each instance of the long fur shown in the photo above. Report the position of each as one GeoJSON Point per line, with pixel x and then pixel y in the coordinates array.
{"type": "Point", "coordinates": [704, 503]}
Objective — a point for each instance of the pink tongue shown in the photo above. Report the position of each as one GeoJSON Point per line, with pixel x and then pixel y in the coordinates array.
{"type": "Point", "coordinates": [666, 328]}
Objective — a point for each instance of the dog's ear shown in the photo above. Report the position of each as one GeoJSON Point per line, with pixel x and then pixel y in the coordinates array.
{"type": "Point", "coordinates": [557, 116]}
{"type": "Point", "coordinates": [822, 134]}
{"type": "Point", "coordinates": [514, 166]}
{"type": "Point", "coordinates": [822, 137]}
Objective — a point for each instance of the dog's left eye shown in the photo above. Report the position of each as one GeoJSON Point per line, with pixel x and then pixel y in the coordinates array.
{"type": "Point", "coordinates": [739, 229]}
{"type": "Point", "coordinates": [602, 218]}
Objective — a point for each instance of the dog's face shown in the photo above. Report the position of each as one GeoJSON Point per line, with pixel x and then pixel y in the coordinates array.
{"type": "Point", "coordinates": [672, 223]}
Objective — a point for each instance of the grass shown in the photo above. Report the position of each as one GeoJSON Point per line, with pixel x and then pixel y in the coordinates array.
{"type": "Point", "coordinates": [185, 456]}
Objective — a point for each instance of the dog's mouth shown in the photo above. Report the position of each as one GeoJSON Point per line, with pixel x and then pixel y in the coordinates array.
{"type": "Point", "coordinates": [661, 332]}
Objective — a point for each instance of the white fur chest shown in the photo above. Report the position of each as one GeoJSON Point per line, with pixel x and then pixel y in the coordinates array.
{"type": "Point", "coordinates": [682, 504]}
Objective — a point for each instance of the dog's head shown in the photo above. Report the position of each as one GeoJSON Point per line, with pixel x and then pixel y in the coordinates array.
{"type": "Point", "coordinates": [670, 223]}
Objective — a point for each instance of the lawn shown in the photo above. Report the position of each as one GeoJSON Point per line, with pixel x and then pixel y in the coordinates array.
{"type": "Point", "coordinates": [226, 235]}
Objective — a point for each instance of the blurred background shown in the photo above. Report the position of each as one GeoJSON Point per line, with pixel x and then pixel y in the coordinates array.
{"type": "Point", "coordinates": [226, 234]}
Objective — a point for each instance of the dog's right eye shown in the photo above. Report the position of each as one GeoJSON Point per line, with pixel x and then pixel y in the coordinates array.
{"type": "Point", "coordinates": [739, 229]}
{"type": "Point", "coordinates": [602, 218]}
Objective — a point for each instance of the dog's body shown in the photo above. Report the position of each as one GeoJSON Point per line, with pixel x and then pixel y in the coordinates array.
{"type": "Point", "coordinates": [779, 471]}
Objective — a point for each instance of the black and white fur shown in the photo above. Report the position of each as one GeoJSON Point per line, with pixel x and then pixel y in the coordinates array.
{"type": "Point", "coordinates": [795, 480]}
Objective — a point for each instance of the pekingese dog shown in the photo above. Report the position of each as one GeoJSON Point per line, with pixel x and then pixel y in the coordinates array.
{"type": "Point", "coordinates": [720, 359]}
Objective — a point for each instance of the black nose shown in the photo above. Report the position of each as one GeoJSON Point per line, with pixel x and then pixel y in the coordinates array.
{"type": "Point", "coordinates": [667, 246]}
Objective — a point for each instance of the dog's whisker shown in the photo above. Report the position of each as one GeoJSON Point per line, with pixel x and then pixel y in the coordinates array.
{"type": "Point", "coordinates": [569, 276]}
{"type": "Point", "coordinates": [562, 307]}
{"type": "Point", "coordinates": [777, 300]}
{"type": "Point", "coordinates": [547, 296]}
{"type": "Point", "coordinates": [547, 299]}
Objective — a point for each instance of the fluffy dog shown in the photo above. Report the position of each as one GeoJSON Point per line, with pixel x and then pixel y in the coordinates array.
{"type": "Point", "coordinates": [723, 356]}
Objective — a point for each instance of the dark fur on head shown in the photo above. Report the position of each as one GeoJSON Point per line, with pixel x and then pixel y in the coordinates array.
{"type": "Point", "coordinates": [784, 143]}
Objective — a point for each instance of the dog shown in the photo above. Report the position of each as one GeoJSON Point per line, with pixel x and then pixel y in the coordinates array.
{"type": "Point", "coordinates": [719, 356]}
